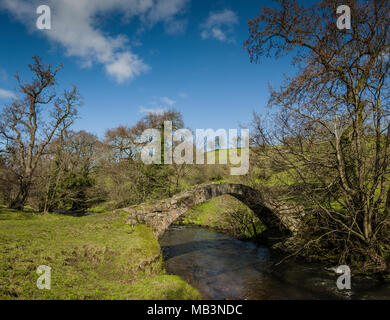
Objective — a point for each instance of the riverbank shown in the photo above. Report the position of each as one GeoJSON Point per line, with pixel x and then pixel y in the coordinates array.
{"type": "Point", "coordinates": [228, 215]}
{"type": "Point", "coordinates": [92, 257]}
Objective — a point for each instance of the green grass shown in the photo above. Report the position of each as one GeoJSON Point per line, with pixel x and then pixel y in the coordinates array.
{"type": "Point", "coordinates": [164, 287]}
{"type": "Point", "coordinates": [102, 207]}
{"type": "Point", "coordinates": [94, 257]}
{"type": "Point", "coordinates": [206, 214]}
{"type": "Point", "coordinates": [223, 154]}
{"type": "Point", "coordinates": [213, 214]}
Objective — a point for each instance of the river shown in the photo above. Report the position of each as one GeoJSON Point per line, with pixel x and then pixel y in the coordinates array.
{"type": "Point", "coordinates": [222, 267]}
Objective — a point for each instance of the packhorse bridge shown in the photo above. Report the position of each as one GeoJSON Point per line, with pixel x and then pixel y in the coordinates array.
{"type": "Point", "coordinates": [281, 220]}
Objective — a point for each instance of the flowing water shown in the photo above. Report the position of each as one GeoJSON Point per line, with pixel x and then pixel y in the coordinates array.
{"type": "Point", "coordinates": [222, 267]}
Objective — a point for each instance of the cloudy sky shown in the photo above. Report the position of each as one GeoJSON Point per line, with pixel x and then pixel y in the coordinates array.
{"type": "Point", "coordinates": [130, 57]}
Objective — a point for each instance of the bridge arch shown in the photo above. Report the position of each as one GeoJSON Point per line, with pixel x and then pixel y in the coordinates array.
{"type": "Point", "coordinates": [159, 215]}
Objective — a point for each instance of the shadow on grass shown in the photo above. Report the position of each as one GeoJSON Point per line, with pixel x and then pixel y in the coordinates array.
{"type": "Point", "coordinates": [12, 214]}
{"type": "Point", "coordinates": [29, 213]}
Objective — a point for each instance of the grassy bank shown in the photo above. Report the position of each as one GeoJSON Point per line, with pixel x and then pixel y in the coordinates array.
{"type": "Point", "coordinates": [94, 257]}
{"type": "Point", "coordinates": [226, 214]}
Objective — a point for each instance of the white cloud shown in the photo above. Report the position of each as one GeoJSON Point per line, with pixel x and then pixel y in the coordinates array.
{"type": "Point", "coordinates": [219, 26]}
{"type": "Point", "coordinates": [126, 66]}
{"type": "Point", "coordinates": [183, 95]}
{"type": "Point", "coordinates": [157, 111]}
{"type": "Point", "coordinates": [176, 26]}
{"type": "Point", "coordinates": [156, 105]}
{"type": "Point", "coordinates": [6, 94]}
{"type": "Point", "coordinates": [168, 101]}
{"type": "Point", "coordinates": [75, 27]}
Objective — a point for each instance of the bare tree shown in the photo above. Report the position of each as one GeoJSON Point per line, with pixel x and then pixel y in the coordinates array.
{"type": "Point", "coordinates": [332, 131]}
{"type": "Point", "coordinates": [31, 121]}
{"type": "Point", "coordinates": [132, 181]}
{"type": "Point", "coordinates": [121, 141]}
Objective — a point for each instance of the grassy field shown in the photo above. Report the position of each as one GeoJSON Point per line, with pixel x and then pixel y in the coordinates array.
{"type": "Point", "coordinates": [215, 214]}
{"type": "Point", "coordinates": [93, 257]}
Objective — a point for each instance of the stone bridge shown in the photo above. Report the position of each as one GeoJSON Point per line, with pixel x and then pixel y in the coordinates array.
{"type": "Point", "coordinates": [281, 220]}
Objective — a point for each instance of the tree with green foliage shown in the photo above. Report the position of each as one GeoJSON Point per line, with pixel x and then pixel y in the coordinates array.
{"type": "Point", "coordinates": [131, 181]}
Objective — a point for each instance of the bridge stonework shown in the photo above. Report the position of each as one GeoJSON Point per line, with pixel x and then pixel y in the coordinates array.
{"type": "Point", "coordinates": [281, 220]}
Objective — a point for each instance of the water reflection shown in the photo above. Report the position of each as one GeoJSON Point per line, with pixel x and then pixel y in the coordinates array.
{"type": "Point", "coordinates": [222, 267]}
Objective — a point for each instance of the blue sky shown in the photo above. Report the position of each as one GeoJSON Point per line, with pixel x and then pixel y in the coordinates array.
{"type": "Point", "coordinates": [129, 57]}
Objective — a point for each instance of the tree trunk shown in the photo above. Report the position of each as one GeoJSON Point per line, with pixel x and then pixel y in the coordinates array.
{"type": "Point", "coordinates": [20, 200]}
